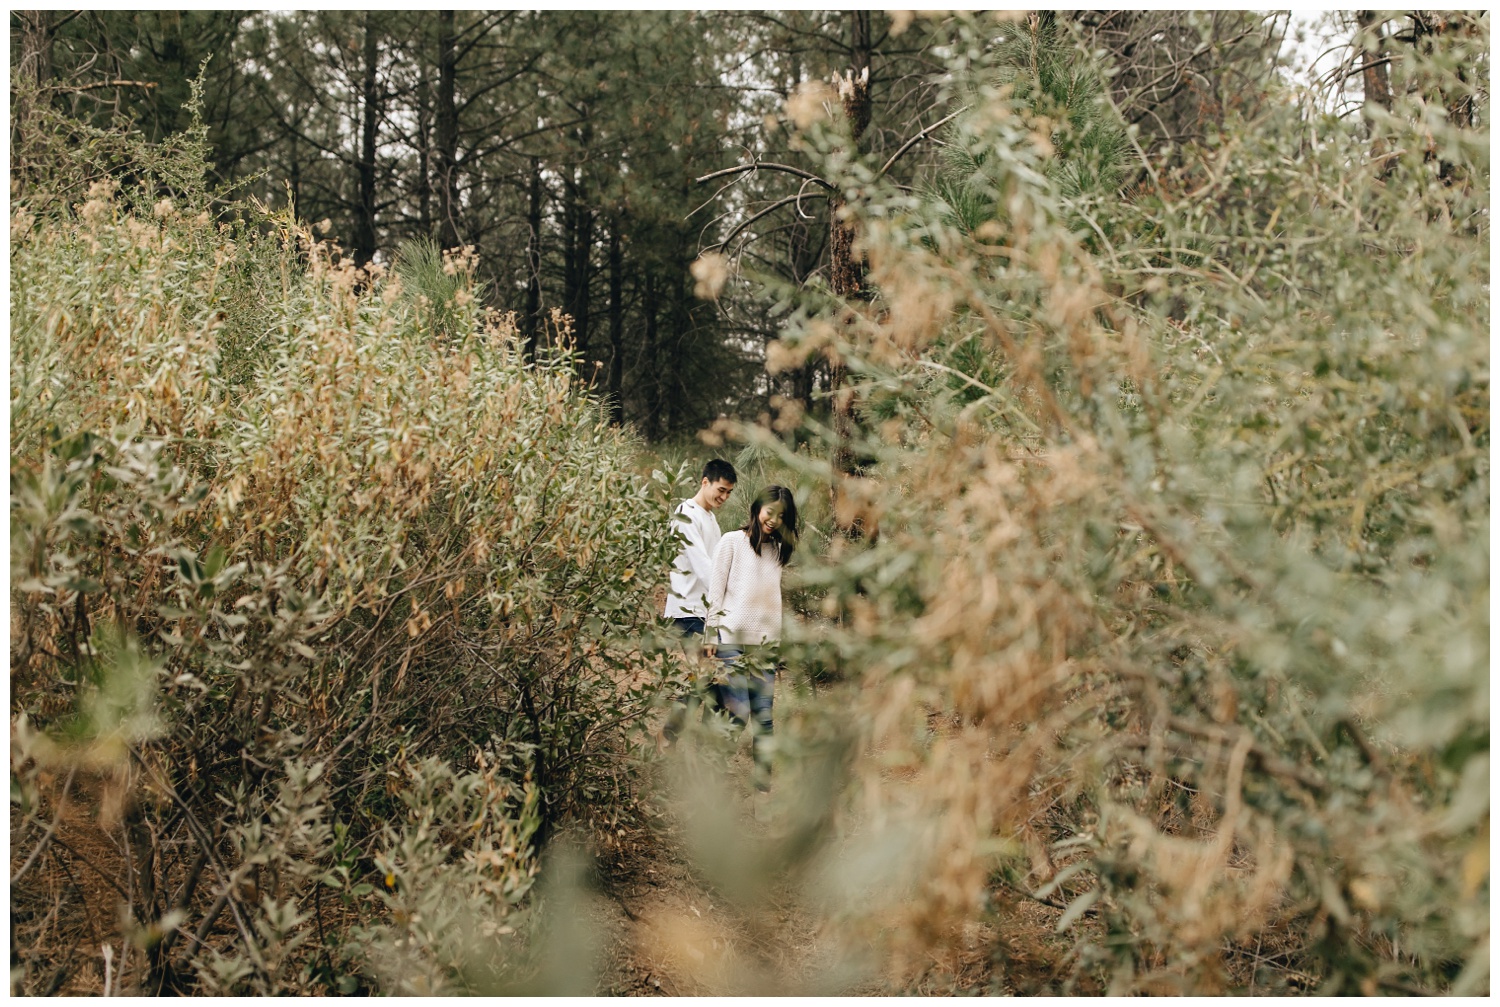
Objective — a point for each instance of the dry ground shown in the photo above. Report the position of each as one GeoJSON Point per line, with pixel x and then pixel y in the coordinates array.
{"type": "Point", "coordinates": [667, 929]}
{"type": "Point", "coordinates": [60, 920]}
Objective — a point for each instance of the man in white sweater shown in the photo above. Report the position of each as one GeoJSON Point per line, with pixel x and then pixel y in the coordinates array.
{"type": "Point", "coordinates": [687, 594]}
{"type": "Point", "coordinates": [695, 524]}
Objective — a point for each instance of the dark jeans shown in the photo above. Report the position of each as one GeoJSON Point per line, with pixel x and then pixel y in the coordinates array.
{"type": "Point", "coordinates": [692, 640]}
{"type": "Point", "coordinates": [747, 694]}
{"type": "Point", "coordinates": [689, 628]}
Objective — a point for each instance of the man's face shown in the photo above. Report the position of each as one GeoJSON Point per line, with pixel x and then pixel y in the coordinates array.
{"type": "Point", "coordinates": [715, 494]}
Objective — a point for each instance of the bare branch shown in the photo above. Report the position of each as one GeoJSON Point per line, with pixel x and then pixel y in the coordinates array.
{"type": "Point", "coordinates": [750, 220]}
{"type": "Point", "coordinates": [756, 166]}
{"type": "Point", "coordinates": [72, 88]}
{"type": "Point", "coordinates": [62, 804]}
{"type": "Point", "coordinates": [909, 144]}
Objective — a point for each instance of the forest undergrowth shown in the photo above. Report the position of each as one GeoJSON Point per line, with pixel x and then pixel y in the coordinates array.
{"type": "Point", "coordinates": [1153, 585]}
{"type": "Point", "coordinates": [1138, 642]}
{"type": "Point", "coordinates": [323, 599]}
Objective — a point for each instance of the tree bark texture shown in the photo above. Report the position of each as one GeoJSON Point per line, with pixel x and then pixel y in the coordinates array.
{"type": "Point", "coordinates": [1375, 64]}
{"type": "Point", "coordinates": [1376, 77]}
{"type": "Point", "coordinates": [616, 326]}
{"type": "Point", "coordinates": [33, 60]}
{"type": "Point", "coordinates": [649, 362]}
{"type": "Point", "coordinates": [364, 234]}
{"type": "Point", "coordinates": [424, 151]}
{"type": "Point", "coordinates": [681, 315]}
{"type": "Point", "coordinates": [577, 271]}
{"type": "Point", "coordinates": [447, 132]}
{"type": "Point", "coordinates": [846, 272]}
{"type": "Point", "coordinates": [532, 317]}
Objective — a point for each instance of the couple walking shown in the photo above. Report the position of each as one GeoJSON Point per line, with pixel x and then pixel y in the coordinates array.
{"type": "Point", "coordinates": [725, 597]}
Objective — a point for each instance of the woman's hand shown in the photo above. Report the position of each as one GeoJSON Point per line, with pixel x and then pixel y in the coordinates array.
{"type": "Point", "coordinates": [709, 650]}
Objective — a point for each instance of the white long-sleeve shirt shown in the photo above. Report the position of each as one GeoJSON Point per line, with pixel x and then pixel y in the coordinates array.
{"type": "Point", "coordinates": [693, 568]}
{"type": "Point", "coordinates": [745, 594]}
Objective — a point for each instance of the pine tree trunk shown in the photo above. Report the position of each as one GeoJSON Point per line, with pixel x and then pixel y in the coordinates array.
{"type": "Point", "coordinates": [34, 61]}
{"type": "Point", "coordinates": [616, 326]}
{"type": "Point", "coordinates": [447, 133]}
{"type": "Point", "coordinates": [682, 302]}
{"type": "Point", "coordinates": [424, 151]}
{"type": "Point", "coordinates": [577, 273]}
{"type": "Point", "coordinates": [803, 256]}
{"type": "Point", "coordinates": [532, 319]}
{"type": "Point", "coordinates": [364, 229]}
{"type": "Point", "coordinates": [580, 311]}
{"type": "Point", "coordinates": [846, 272]}
{"type": "Point", "coordinates": [294, 165]}
{"type": "Point", "coordinates": [1376, 74]}
{"type": "Point", "coordinates": [33, 64]}
{"type": "Point", "coordinates": [1426, 26]}
{"type": "Point", "coordinates": [650, 365]}
{"type": "Point", "coordinates": [569, 245]}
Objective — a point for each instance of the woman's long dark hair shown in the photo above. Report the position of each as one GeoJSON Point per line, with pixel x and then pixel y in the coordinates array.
{"type": "Point", "coordinates": [785, 537]}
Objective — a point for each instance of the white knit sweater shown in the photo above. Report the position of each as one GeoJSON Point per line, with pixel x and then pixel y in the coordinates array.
{"type": "Point", "coordinates": [744, 597]}
{"type": "Point", "coordinates": [694, 566]}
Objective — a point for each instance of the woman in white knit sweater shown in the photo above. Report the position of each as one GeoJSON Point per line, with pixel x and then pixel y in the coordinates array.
{"type": "Point", "coordinates": [744, 621]}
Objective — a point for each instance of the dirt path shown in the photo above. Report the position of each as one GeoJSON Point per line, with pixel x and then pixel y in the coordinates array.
{"type": "Point", "coordinates": [668, 930]}
{"type": "Point", "coordinates": [668, 923]}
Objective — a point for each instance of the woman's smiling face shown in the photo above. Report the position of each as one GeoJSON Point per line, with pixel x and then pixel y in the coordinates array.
{"type": "Point", "coordinates": [770, 518]}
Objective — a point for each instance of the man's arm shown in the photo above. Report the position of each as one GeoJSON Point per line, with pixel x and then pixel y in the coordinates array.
{"type": "Point", "coordinates": [697, 560]}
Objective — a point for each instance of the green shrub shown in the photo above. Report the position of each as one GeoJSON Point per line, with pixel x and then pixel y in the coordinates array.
{"type": "Point", "coordinates": [292, 559]}
{"type": "Point", "coordinates": [1180, 626]}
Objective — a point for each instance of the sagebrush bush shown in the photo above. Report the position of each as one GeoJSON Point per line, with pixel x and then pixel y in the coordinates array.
{"type": "Point", "coordinates": [316, 586]}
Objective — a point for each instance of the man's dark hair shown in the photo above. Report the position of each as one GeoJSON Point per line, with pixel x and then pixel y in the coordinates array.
{"type": "Point", "coordinates": [718, 470]}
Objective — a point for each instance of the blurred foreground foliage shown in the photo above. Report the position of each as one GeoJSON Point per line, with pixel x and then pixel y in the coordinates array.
{"type": "Point", "coordinates": [324, 598]}
{"type": "Point", "coordinates": [1177, 615]}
